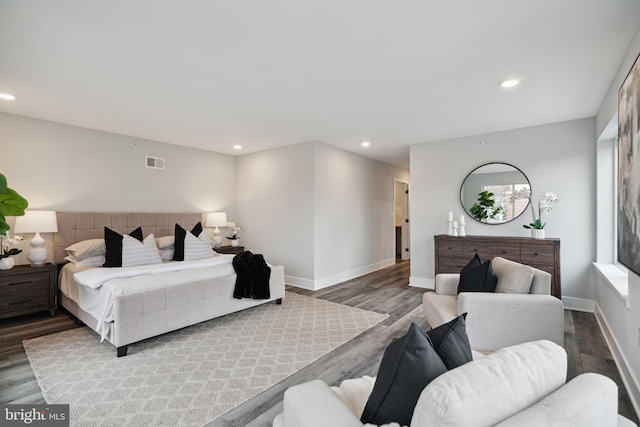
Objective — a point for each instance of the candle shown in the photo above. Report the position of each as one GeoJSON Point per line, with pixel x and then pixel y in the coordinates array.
{"type": "Point", "coordinates": [455, 224]}
{"type": "Point", "coordinates": [461, 219]}
{"type": "Point", "coordinates": [450, 216]}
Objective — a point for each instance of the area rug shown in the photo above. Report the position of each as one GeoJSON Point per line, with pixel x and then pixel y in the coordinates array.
{"type": "Point", "coordinates": [191, 376]}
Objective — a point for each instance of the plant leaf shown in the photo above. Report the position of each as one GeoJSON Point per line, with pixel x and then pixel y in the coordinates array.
{"type": "Point", "coordinates": [4, 227]}
{"type": "Point", "coordinates": [3, 183]}
{"type": "Point", "coordinates": [12, 204]}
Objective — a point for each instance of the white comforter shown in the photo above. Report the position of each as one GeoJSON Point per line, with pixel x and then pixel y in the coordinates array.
{"type": "Point", "coordinates": [96, 288]}
{"type": "Point", "coordinates": [96, 277]}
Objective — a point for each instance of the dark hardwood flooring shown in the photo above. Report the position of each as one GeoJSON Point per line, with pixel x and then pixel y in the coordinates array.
{"type": "Point", "coordinates": [384, 291]}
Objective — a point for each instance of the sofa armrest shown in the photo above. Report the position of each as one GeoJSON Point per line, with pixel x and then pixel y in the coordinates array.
{"type": "Point", "coordinates": [496, 320]}
{"type": "Point", "coordinates": [589, 400]}
{"type": "Point", "coordinates": [314, 404]}
{"type": "Point", "coordinates": [447, 283]}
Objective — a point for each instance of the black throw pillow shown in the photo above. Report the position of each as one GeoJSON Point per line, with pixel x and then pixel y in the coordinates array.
{"type": "Point", "coordinates": [180, 233]}
{"type": "Point", "coordinates": [477, 278]}
{"type": "Point", "coordinates": [409, 363]}
{"type": "Point", "coordinates": [451, 342]}
{"type": "Point", "coordinates": [113, 243]}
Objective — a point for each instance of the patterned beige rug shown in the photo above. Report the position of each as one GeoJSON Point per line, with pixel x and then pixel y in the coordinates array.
{"type": "Point", "coordinates": [191, 376]}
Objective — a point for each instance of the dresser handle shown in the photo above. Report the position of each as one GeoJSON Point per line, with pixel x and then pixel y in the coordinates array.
{"type": "Point", "coordinates": [504, 251]}
{"type": "Point", "coordinates": [537, 253]}
{"type": "Point", "coordinates": [19, 302]}
{"type": "Point", "coordinates": [26, 282]}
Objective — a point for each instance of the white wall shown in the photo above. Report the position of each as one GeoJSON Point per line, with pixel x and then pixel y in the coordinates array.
{"type": "Point", "coordinates": [557, 157]}
{"type": "Point", "coordinates": [622, 322]}
{"type": "Point", "coordinates": [354, 214]}
{"type": "Point", "coordinates": [68, 168]}
{"type": "Point", "coordinates": [323, 213]}
{"type": "Point", "coordinates": [276, 207]}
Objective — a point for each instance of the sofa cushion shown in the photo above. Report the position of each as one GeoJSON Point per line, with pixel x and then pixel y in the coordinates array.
{"type": "Point", "coordinates": [513, 277]}
{"type": "Point", "coordinates": [477, 277]}
{"type": "Point", "coordinates": [451, 342]}
{"type": "Point", "coordinates": [409, 363]}
{"type": "Point", "coordinates": [489, 390]}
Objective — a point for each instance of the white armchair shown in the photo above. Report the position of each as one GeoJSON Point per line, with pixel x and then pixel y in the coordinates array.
{"type": "Point", "coordinates": [497, 320]}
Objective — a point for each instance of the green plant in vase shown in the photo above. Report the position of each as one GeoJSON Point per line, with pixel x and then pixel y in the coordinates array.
{"type": "Point", "coordinates": [485, 208]}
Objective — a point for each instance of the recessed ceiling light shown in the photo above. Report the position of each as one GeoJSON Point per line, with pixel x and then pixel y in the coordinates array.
{"type": "Point", "coordinates": [509, 83]}
{"type": "Point", "coordinates": [7, 96]}
{"type": "Point", "coordinates": [365, 143]}
{"type": "Point", "coordinates": [237, 147]}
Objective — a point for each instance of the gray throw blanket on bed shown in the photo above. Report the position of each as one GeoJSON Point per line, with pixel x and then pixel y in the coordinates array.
{"type": "Point", "coordinates": [253, 275]}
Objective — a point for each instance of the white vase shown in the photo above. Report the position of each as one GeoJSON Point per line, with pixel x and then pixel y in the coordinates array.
{"type": "Point", "coordinates": [537, 234]}
{"type": "Point", "coordinates": [235, 243]}
{"type": "Point", "coordinates": [6, 263]}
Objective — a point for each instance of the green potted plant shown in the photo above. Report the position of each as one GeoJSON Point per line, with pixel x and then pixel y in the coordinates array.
{"type": "Point", "coordinates": [11, 204]}
{"type": "Point", "coordinates": [485, 208]}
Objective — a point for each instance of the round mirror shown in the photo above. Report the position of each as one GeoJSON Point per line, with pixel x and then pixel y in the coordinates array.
{"type": "Point", "coordinates": [495, 193]}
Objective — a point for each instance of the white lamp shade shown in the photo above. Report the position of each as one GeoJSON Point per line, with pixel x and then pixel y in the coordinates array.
{"type": "Point", "coordinates": [37, 222]}
{"type": "Point", "coordinates": [216, 219]}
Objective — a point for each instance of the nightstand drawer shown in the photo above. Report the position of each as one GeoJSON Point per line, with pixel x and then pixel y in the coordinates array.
{"type": "Point", "coordinates": [11, 284]}
{"type": "Point", "coordinates": [24, 302]}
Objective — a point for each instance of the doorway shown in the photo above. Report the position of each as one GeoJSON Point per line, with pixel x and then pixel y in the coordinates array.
{"type": "Point", "coordinates": [401, 220]}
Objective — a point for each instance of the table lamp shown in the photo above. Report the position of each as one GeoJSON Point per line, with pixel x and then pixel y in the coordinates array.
{"type": "Point", "coordinates": [216, 219]}
{"type": "Point", "coordinates": [37, 222]}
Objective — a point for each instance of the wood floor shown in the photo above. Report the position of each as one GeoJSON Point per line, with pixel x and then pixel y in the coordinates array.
{"type": "Point", "coordinates": [384, 291]}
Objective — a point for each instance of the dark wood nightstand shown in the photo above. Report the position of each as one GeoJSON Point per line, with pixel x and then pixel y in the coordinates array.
{"type": "Point", "coordinates": [229, 249]}
{"type": "Point", "coordinates": [25, 289]}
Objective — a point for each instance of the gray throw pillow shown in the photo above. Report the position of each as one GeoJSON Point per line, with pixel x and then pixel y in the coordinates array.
{"type": "Point", "coordinates": [513, 277]}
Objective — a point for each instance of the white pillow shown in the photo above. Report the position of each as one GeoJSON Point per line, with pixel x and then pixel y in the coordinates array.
{"type": "Point", "coordinates": [166, 254]}
{"type": "Point", "coordinates": [165, 242]}
{"type": "Point", "coordinates": [86, 249]}
{"type": "Point", "coordinates": [93, 261]}
{"type": "Point", "coordinates": [136, 253]}
{"type": "Point", "coordinates": [197, 247]}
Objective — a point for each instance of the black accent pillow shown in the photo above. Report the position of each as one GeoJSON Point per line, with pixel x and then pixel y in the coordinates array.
{"type": "Point", "coordinates": [477, 277]}
{"type": "Point", "coordinates": [113, 243]}
{"type": "Point", "coordinates": [180, 233]}
{"type": "Point", "coordinates": [409, 363]}
{"type": "Point", "coordinates": [451, 342]}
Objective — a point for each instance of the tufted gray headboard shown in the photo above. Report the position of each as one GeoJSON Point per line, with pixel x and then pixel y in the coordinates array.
{"type": "Point", "coordinates": [77, 226]}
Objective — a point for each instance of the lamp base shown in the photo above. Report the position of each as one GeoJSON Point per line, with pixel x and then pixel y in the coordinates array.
{"type": "Point", "coordinates": [37, 254]}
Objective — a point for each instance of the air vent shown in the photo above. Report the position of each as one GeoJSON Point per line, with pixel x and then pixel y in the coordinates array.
{"type": "Point", "coordinates": [154, 162]}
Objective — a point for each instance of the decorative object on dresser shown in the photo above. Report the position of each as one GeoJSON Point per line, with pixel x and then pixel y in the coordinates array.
{"type": "Point", "coordinates": [230, 249]}
{"type": "Point", "coordinates": [453, 253]}
{"type": "Point", "coordinates": [37, 222]}
{"type": "Point", "coordinates": [216, 219]}
{"type": "Point", "coordinates": [6, 262]}
{"type": "Point", "coordinates": [28, 290]}
{"type": "Point", "coordinates": [544, 207]}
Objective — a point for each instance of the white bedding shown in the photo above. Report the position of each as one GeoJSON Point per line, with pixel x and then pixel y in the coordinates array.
{"type": "Point", "coordinates": [96, 295]}
{"type": "Point", "coordinates": [96, 277]}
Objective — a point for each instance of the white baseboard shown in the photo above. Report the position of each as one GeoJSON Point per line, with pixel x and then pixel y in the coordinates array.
{"type": "Point", "coordinates": [630, 381]}
{"type": "Point", "coordinates": [421, 282]}
{"type": "Point", "coordinates": [579, 304]}
{"type": "Point", "coordinates": [315, 285]}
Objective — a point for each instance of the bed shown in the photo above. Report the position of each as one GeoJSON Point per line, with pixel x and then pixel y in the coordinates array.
{"type": "Point", "coordinates": [125, 307]}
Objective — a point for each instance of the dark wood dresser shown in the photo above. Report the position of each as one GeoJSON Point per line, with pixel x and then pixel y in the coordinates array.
{"type": "Point", "coordinates": [453, 253]}
{"type": "Point", "coordinates": [25, 289]}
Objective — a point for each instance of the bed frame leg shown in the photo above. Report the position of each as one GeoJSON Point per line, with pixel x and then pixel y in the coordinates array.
{"type": "Point", "coordinates": [279, 301]}
{"type": "Point", "coordinates": [122, 351]}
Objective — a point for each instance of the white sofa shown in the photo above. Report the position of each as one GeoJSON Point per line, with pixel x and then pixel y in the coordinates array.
{"type": "Point", "coordinates": [522, 385]}
{"type": "Point", "coordinates": [496, 320]}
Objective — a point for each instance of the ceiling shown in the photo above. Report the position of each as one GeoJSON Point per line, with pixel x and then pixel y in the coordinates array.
{"type": "Point", "coordinates": [263, 74]}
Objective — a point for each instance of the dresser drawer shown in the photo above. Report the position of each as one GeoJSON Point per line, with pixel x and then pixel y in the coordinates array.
{"type": "Point", "coordinates": [24, 302]}
{"type": "Point", "coordinates": [16, 283]}
{"type": "Point", "coordinates": [469, 249]}
{"type": "Point", "coordinates": [447, 249]}
{"type": "Point", "coordinates": [536, 254]}
{"type": "Point", "coordinates": [506, 250]}
{"type": "Point", "coordinates": [451, 265]}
